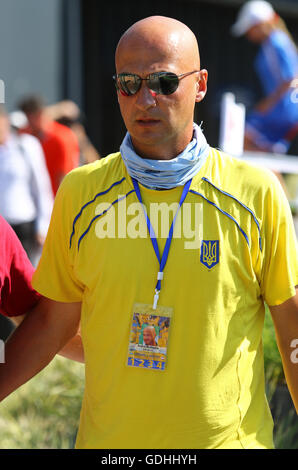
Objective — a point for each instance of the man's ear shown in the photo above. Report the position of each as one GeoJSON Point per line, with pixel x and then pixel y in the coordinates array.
{"type": "Point", "coordinates": [201, 85]}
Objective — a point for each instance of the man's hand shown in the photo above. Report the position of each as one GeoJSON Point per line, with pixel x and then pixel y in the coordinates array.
{"type": "Point", "coordinates": [285, 319]}
{"type": "Point", "coordinates": [41, 335]}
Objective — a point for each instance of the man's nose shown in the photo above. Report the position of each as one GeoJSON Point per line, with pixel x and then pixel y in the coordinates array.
{"type": "Point", "coordinates": [145, 97]}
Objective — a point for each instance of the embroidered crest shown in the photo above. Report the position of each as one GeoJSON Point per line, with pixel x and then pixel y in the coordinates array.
{"type": "Point", "coordinates": [209, 253]}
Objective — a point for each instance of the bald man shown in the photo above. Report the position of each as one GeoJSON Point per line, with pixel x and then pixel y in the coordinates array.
{"type": "Point", "coordinates": [106, 262]}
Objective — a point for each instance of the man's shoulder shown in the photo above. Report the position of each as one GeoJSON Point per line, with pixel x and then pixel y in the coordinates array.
{"type": "Point", "coordinates": [280, 40]}
{"type": "Point", "coordinates": [83, 188]}
{"type": "Point", "coordinates": [27, 138]}
{"type": "Point", "coordinates": [109, 165]}
{"type": "Point", "coordinates": [227, 167]}
{"type": "Point", "coordinates": [96, 176]}
{"type": "Point", "coordinates": [245, 181]}
{"type": "Point", "coordinates": [29, 143]}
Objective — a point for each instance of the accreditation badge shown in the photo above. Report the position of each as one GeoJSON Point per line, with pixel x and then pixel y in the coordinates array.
{"type": "Point", "coordinates": [149, 335]}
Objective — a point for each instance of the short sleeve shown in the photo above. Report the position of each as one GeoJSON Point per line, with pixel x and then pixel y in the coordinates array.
{"type": "Point", "coordinates": [54, 277]}
{"type": "Point", "coordinates": [17, 295]}
{"type": "Point", "coordinates": [280, 253]}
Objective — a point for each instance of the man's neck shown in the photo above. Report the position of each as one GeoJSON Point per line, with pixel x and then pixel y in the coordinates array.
{"type": "Point", "coordinates": [165, 152]}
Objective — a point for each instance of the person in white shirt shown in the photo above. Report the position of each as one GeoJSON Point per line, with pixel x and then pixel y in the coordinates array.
{"type": "Point", "coordinates": [26, 198]}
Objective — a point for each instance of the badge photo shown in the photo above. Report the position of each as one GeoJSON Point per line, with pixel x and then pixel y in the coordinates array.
{"type": "Point", "coordinates": [149, 335]}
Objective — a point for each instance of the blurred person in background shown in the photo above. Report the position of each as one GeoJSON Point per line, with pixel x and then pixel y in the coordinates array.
{"type": "Point", "coordinates": [26, 198]}
{"type": "Point", "coordinates": [68, 113]}
{"type": "Point", "coordinates": [273, 123]}
{"type": "Point", "coordinates": [59, 143]}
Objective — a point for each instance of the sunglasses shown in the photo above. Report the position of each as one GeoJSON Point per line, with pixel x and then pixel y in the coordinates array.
{"type": "Point", "coordinates": [162, 83]}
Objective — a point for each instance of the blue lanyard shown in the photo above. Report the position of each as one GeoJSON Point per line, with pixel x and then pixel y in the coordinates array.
{"type": "Point", "coordinates": [163, 260]}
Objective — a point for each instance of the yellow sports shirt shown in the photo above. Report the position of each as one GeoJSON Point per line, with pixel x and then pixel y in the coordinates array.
{"type": "Point", "coordinates": [233, 248]}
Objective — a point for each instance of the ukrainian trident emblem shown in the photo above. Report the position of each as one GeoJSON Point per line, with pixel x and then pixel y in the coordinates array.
{"type": "Point", "coordinates": [209, 253]}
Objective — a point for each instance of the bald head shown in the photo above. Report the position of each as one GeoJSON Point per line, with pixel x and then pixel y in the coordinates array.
{"type": "Point", "coordinates": [151, 329]}
{"type": "Point", "coordinates": [160, 124]}
{"type": "Point", "coordinates": [167, 36]}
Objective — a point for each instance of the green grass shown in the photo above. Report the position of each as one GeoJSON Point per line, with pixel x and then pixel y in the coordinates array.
{"type": "Point", "coordinates": [44, 413]}
{"type": "Point", "coordinates": [286, 431]}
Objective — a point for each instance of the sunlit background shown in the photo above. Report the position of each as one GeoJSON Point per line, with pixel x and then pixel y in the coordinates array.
{"type": "Point", "coordinates": [64, 49]}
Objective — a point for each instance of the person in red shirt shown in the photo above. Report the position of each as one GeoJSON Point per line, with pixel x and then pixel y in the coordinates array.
{"type": "Point", "coordinates": [60, 144]}
{"type": "Point", "coordinates": [17, 296]}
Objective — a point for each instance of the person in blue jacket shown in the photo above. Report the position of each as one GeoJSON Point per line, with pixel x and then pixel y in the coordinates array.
{"type": "Point", "coordinates": [273, 123]}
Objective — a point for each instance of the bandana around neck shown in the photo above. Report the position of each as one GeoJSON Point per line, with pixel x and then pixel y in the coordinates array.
{"type": "Point", "coordinates": [166, 174]}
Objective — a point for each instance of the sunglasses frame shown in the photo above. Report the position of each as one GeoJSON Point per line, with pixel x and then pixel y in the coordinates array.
{"type": "Point", "coordinates": [126, 92]}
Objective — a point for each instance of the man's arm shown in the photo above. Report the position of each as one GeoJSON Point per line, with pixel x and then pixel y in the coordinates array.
{"type": "Point", "coordinates": [72, 350]}
{"type": "Point", "coordinates": [17, 320]}
{"type": "Point", "coordinates": [285, 319]}
{"type": "Point", "coordinates": [266, 104]}
{"type": "Point", "coordinates": [43, 332]}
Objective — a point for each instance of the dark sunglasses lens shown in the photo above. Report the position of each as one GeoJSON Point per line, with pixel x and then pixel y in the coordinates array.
{"type": "Point", "coordinates": [164, 83]}
{"type": "Point", "coordinates": [129, 83]}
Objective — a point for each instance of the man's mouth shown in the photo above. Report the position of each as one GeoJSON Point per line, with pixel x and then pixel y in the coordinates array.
{"type": "Point", "coordinates": [147, 121]}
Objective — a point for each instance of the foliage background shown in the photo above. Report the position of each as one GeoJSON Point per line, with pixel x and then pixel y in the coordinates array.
{"type": "Point", "coordinates": [44, 413]}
